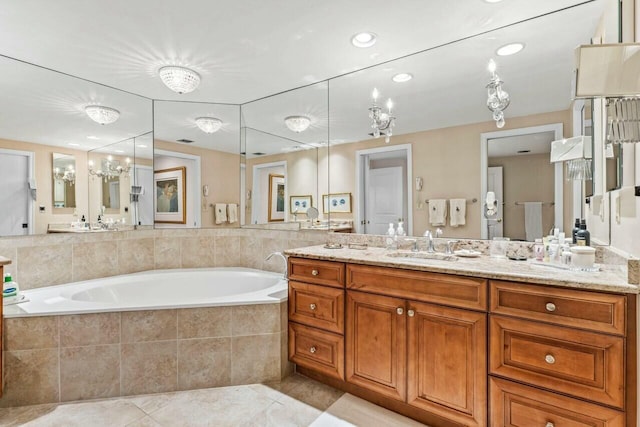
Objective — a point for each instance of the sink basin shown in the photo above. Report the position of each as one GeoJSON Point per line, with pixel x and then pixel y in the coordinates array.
{"type": "Point", "coordinates": [417, 256]}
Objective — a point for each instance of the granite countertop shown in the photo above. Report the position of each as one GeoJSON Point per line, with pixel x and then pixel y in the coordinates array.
{"type": "Point", "coordinates": [610, 278]}
{"type": "Point", "coordinates": [4, 261]}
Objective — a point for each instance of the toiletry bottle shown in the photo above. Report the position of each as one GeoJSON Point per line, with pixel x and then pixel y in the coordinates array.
{"type": "Point", "coordinates": [553, 250]}
{"type": "Point", "coordinates": [391, 237]}
{"type": "Point", "coordinates": [9, 289]}
{"type": "Point", "coordinates": [400, 230]}
{"type": "Point", "coordinates": [583, 237]}
{"type": "Point", "coordinates": [538, 250]}
{"type": "Point", "coordinates": [576, 227]}
{"type": "Point", "coordinates": [545, 249]}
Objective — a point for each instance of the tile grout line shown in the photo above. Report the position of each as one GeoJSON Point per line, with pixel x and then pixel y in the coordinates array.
{"type": "Point", "coordinates": [59, 361]}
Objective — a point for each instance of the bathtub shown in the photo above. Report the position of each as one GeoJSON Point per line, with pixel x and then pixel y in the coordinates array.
{"type": "Point", "coordinates": [156, 289]}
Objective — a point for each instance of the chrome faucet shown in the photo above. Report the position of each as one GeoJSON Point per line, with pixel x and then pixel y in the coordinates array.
{"type": "Point", "coordinates": [284, 258]}
{"type": "Point", "coordinates": [449, 250]}
{"type": "Point", "coordinates": [429, 236]}
{"type": "Point", "coordinates": [414, 244]}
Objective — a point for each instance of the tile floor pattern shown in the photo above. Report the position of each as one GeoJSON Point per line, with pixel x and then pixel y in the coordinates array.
{"type": "Point", "coordinates": [296, 401]}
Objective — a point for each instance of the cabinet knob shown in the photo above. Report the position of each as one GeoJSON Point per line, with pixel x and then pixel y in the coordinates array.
{"type": "Point", "coordinates": [411, 313]}
{"type": "Point", "coordinates": [549, 424]}
{"type": "Point", "coordinates": [313, 349]}
{"type": "Point", "coordinates": [314, 272]}
{"type": "Point", "coordinates": [399, 310]}
{"type": "Point", "coordinates": [551, 307]}
{"type": "Point", "coordinates": [550, 359]}
{"type": "Point", "coordinates": [312, 306]}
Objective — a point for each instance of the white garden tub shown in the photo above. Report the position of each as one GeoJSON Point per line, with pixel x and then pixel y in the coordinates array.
{"type": "Point", "coordinates": [157, 289]}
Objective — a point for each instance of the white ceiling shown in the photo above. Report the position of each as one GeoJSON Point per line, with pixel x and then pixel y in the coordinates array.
{"type": "Point", "coordinates": [534, 143]}
{"type": "Point", "coordinates": [249, 49]}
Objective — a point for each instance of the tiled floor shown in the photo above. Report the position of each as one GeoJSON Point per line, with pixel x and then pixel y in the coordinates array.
{"type": "Point", "coordinates": [296, 401]}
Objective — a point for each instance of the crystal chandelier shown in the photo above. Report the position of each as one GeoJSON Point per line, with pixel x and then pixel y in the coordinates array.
{"type": "Point", "coordinates": [497, 99]}
{"type": "Point", "coordinates": [179, 79]}
{"type": "Point", "coordinates": [69, 175]}
{"type": "Point", "coordinates": [209, 124]}
{"type": "Point", "coordinates": [382, 123]}
{"type": "Point", "coordinates": [110, 168]}
{"type": "Point", "coordinates": [297, 123]}
{"type": "Point", "coordinates": [102, 115]}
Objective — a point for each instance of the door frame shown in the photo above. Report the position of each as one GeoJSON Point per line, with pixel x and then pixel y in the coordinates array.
{"type": "Point", "coordinates": [361, 170]}
{"type": "Point", "coordinates": [558, 183]}
{"type": "Point", "coordinates": [30, 155]}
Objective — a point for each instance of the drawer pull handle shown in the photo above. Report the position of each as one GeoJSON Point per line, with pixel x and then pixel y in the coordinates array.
{"type": "Point", "coordinates": [411, 313]}
{"type": "Point", "coordinates": [312, 306]}
{"type": "Point", "coordinates": [314, 272]}
{"type": "Point", "coordinates": [313, 349]}
{"type": "Point", "coordinates": [550, 359]}
{"type": "Point", "coordinates": [399, 310]}
{"type": "Point", "coordinates": [551, 307]}
{"type": "Point", "coordinates": [549, 424]}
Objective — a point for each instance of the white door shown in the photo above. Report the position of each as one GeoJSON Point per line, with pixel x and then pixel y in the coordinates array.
{"type": "Point", "coordinates": [14, 197]}
{"type": "Point", "coordinates": [494, 183]}
{"type": "Point", "coordinates": [142, 214]}
{"type": "Point", "coordinates": [384, 199]}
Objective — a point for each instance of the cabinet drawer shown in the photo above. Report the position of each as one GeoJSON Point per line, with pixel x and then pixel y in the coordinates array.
{"type": "Point", "coordinates": [581, 309]}
{"type": "Point", "coordinates": [326, 273]}
{"type": "Point", "coordinates": [580, 363]}
{"type": "Point", "coordinates": [318, 350]}
{"type": "Point", "coordinates": [447, 289]}
{"type": "Point", "coordinates": [516, 405]}
{"type": "Point", "coordinates": [317, 306]}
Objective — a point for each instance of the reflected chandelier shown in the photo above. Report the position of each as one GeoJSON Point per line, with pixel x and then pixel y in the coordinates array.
{"type": "Point", "coordinates": [102, 115]}
{"type": "Point", "coordinates": [110, 168]}
{"type": "Point", "coordinates": [179, 79]}
{"type": "Point", "coordinates": [497, 99]}
{"type": "Point", "coordinates": [297, 123]}
{"type": "Point", "coordinates": [69, 175]}
{"type": "Point", "coordinates": [209, 124]}
{"type": "Point", "coordinates": [382, 123]}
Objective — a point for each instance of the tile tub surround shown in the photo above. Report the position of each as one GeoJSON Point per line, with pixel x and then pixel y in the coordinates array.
{"type": "Point", "coordinates": [51, 359]}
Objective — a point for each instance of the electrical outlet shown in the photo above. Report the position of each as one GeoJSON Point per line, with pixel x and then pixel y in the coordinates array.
{"type": "Point", "coordinates": [41, 209]}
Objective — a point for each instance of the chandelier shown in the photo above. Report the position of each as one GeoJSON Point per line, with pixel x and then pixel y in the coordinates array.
{"type": "Point", "coordinates": [69, 175]}
{"type": "Point", "coordinates": [297, 123]}
{"type": "Point", "coordinates": [110, 168]}
{"type": "Point", "coordinates": [209, 124]}
{"type": "Point", "coordinates": [382, 123]}
{"type": "Point", "coordinates": [497, 99]}
{"type": "Point", "coordinates": [179, 79]}
{"type": "Point", "coordinates": [102, 115]}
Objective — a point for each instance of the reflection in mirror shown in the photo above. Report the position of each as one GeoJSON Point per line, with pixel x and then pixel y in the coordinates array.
{"type": "Point", "coordinates": [196, 152]}
{"type": "Point", "coordinates": [64, 179]}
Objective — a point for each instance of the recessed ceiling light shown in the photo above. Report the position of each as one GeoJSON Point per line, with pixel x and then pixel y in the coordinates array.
{"type": "Point", "coordinates": [364, 39]}
{"type": "Point", "coordinates": [119, 151]}
{"type": "Point", "coordinates": [492, 1]}
{"type": "Point", "coordinates": [73, 144]}
{"type": "Point", "coordinates": [92, 137]}
{"type": "Point", "coordinates": [510, 49]}
{"type": "Point", "coordinates": [402, 77]}
{"type": "Point", "coordinates": [142, 146]}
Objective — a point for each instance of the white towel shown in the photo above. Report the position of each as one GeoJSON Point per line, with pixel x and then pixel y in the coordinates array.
{"type": "Point", "coordinates": [438, 212]}
{"type": "Point", "coordinates": [457, 212]}
{"type": "Point", "coordinates": [533, 220]}
{"type": "Point", "coordinates": [232, 213]}
{"type": "Point", "coordinates": [220, 212]}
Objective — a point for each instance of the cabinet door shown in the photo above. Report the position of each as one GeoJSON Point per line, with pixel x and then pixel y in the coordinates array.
{"type": "Point", "coordinates": [376, 343]}
{"type": "Point", "coordinates": [447, 363]}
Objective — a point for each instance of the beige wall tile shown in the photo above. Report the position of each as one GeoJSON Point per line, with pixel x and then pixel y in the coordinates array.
{"type": "Point", "coordinates": [44, 266]}
{"type": "Point", "coordinates": [286, 367]}
{"type": "Point", "coordinates": [94, 260]}
{"type": "Point", "coordinates": [204, 322]}
{"type": "Point", "coordinates": [149, 367]}
{"type": "Point", "coordinates": [251, 251]}
{"type": "Point", "coordinates": [135, 255]}
{"type": "Point", "coordinates": [89, 372]}
{"type": "Point", "coordinates": [31, 377]}
{"type": "Point", "coordinates": [227, 251]}
{"type": "Point", "coordinates": [29, 333]}
{"type": "Point", "coordinates": [255, 359]}
{"type": "Point", "coordinates": [204, 363]}
{"type": "Point", "coordinates": [198, 252]}
{"type": "Point", "coordinates": [89, 329]}
{"type": "Point", "coordinates": [167, 253]}
{"type": "Point", "coordinates": [255, 319]}
{"type": "Point", "coordinates": [150, 325]}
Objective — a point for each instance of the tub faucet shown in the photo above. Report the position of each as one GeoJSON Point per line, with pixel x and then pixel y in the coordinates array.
{"type": "Point", "coordinates": [284, 258]}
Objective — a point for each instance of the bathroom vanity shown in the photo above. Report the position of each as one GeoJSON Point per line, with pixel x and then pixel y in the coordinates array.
{"type": "Point", "coordinates": [474, 342]}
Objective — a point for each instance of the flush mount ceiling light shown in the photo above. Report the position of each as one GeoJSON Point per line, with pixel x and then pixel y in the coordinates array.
{"type": "Point", "coordinates": [402, 77]}
{"type": "Point", "coordinates": [510, 49]}
{"type": "Point", "coordinates": [179, 79]}
{"type": "Point", "coordinates": [297, 123]}
{"type": "Point", "coordinates": [102, 115]}
{"type": "Point", "coordinates": [209, 124]}
{"type": "Point", "coordinates": [364, 39]}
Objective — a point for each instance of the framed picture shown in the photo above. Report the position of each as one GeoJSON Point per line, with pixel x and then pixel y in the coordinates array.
{"type": "Point", "coordinates": [300, 204]}
{"type": "Point", "coordinates": [276, 198]}
{"type": "Point", "coordinates": [338, 202]}
{"type": "Point", "coordinates": [171, 195]}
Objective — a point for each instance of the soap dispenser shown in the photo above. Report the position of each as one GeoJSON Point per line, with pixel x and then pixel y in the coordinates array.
{"type": "Point", "coordinates": [391, 238]}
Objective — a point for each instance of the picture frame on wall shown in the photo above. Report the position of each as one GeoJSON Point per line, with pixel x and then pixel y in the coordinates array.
{"type": "Point", "coordinates": [276, 198]}
{"type": "Point", "coordinates": [336, 203]}
{"type": "Point", "coordinates": [300, 204]}
{"type": "Point", "coordinates": [171, 195]}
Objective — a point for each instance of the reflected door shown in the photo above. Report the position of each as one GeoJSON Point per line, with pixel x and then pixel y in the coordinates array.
{"type": "Point", "coordinates": [384, 199]}
{"type": "Point", "coordinates": [494, 183]}
{"type": "Point", "coordinates": [14, 197]}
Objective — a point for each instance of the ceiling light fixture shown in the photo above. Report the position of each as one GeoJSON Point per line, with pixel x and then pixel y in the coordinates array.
{"type": "Point", "coordinates": [110, 168]}
{"type": "Point", "coordinates": [364, 39]}
{"type": "Point", "coordinates": [382, 123]}
{"type": "Point", "coordinates": [179, 79]}
{"type": "Point", "coordinates": [510, 49]}
{"type": "Point", "coordinates": [68, 174]}
{"type": "Point", "coordinates": [497, 99]}
{"type": "Point", "coordinates": [102, 115]}
{"type": "Point", "coordinates": [402, 77]}
{"type": "Point", "coordinates": [297, 123]}
{"type": "Point", "coordinates": [209, 124]}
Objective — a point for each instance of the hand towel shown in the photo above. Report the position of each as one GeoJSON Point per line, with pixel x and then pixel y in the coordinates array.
{"type": "Point", "coordinates": [438, 212]}
{"type": "Point", "coordinates": [533, 220]}
{"type": "Point", "coordinates": [457, 212]}
{"type": "Point", "coordinates": [232, 213]}
{"type": "Point", "coordinates": [220, 212]}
